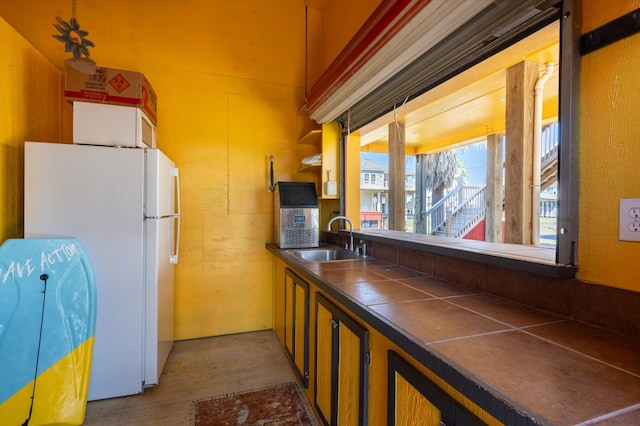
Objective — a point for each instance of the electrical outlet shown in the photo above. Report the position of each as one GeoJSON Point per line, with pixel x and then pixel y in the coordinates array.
{"type": "Point", "coordinates": [629, 219]}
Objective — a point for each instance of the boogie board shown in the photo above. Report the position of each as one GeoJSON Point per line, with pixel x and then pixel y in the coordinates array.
{"type": "Point", "coordinates": [47, 326]}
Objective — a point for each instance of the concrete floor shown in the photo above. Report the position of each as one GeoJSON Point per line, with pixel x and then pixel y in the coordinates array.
{"type": "Point", "coordinates": [196, 370]}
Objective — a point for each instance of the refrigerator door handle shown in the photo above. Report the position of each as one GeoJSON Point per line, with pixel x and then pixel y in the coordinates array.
{"type": "Point", "coordinates": [173, 258]}
{"type": "Point", "coordinates": [175, 176]}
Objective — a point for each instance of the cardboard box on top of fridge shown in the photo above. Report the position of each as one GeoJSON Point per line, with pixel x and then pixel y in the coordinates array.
{"type": "Point", "coordinates": [111, 86]}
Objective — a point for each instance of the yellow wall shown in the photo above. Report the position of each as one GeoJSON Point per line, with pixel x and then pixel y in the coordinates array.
{"type": "Point", "coordinates": [331, 24]}
{"type": "Point", "coordinates": [229, 76]}
{"type": "Point", "coordinates": [609, 150]}
{"type": "Point", "coordinates": [341, 20]}
{"type": "Point", "coordinates": [26, 79]}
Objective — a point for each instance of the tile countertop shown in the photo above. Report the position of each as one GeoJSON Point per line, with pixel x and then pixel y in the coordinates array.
{"type": "Point", "coordinates": [522, 365]}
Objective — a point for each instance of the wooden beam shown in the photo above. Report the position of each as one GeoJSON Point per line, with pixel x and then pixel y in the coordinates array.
{"type": "Point", "coordinates": [521, 80]}
{"type": "Point", "coordinates": [421, 194]}
{"type": "Point", "coordinates": [397, 220]}
{"type": "Point", "coordinates": [493, 196]}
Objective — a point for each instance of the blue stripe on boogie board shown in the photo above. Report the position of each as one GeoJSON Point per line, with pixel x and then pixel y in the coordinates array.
{"type": "Point", "coordinates": [69, 311]}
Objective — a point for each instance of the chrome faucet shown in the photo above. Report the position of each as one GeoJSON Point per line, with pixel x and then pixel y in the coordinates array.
{"type": "Point", "coordinates": [350, 228]}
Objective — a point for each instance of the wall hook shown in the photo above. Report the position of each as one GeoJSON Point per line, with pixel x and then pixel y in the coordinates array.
{"type": "Point", "coordinates": [272, 186]}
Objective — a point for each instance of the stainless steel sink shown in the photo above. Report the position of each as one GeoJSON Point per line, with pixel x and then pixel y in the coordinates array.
{"type": "Point", "coordinates": [324, 255]}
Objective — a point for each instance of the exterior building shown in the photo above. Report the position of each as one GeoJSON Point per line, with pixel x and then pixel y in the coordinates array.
{"type": "Point", "coordinates": [374, 193]}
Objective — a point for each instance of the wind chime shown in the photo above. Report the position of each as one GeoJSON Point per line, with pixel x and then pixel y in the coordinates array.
{"type": "Point", "coordinates": [75, 41]}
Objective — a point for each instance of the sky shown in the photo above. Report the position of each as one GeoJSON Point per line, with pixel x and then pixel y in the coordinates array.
{"type": "Point", "coordinates": [474, 160]}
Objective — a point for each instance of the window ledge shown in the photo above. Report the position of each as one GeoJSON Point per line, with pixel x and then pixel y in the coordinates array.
{"type": "Point", "coordinates": [533, 259]}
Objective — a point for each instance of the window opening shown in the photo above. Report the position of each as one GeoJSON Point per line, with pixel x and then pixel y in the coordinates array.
{"type": "Point", "coordinates": [455, 126]}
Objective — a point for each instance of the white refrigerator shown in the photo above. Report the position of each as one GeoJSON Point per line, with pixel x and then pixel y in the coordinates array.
{"type": "Point", "coordinates": [123, 205]}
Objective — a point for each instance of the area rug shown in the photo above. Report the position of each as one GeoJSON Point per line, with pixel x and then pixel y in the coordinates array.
{"type": "Point", "coordinates": [279, 405]}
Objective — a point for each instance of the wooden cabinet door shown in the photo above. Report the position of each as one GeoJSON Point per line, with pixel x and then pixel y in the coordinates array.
{"type": "Point", "coordinates": [278, 298]}
{"type": "Point", "coordinates": [289, 289]}
{"type": "Point", "coordinates": [324, 354]}
{"type": "Point", "coordinates": [352, 366]}
{"type": "Point", "coordinates": [301, 331]}
{"type": "Point", "coordinates": [296, 324]}
{"type": "Point", "coordinates": [414, 400]}
{"type": "Point", "coordinates": [342, 364]}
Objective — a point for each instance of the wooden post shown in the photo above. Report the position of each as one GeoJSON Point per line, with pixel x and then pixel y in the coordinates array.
{"type": "Point", "coordinates": [521, 80]}
{"type": "Point", "coordinates": [493, 196]}
{"type": "Point", "coordinates": [421, 194]}
{"type": "Point", "coordinates": [396, 177]}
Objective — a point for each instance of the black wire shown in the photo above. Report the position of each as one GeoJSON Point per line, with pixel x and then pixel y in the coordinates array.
{"type": "Point", "coordinates": [43, 277]}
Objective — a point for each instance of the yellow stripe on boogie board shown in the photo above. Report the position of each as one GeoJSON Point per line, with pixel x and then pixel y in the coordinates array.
{"type": "Point", "coordinates": [60, 395]}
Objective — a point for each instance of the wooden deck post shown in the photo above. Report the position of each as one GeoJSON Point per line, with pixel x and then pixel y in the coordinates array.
{"type": "Point", "coordinates": [493, 197]}
{"type": "Point", "coordinates": [521, 79]}
{"type": "Point", "coordinates": [397, 220]}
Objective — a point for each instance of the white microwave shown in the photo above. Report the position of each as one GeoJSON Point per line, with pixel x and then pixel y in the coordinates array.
{"type": "Point", "coordinates": [112, 125]}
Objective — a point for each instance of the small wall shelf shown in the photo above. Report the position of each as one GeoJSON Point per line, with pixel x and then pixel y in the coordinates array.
{"type": "Point", "coordinates": [310, 168]}
{"type": "Point", "coordinates": [314, 137]}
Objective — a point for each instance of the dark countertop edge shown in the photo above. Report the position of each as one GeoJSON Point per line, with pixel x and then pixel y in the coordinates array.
{"type": "Point", "coordinates": [494, 402]}
{"type": "Point", "coordinates": [491, 258]}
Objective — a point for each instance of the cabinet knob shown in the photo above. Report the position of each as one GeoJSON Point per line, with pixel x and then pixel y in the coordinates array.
{"type": "Point", "coordinates": [334, 323]}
